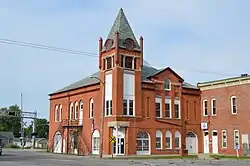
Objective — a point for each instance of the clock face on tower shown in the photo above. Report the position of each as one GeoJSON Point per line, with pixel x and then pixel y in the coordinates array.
{"type": "Point", "coordinates": [129, 44]}
{"type": "Point", "coordinates": [109, 43]}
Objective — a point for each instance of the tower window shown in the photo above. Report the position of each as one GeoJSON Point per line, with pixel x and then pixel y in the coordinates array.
{"type": "Point", "coordinates": [128, 62]}
{"type": "Point", "coordinates": [122, 61]}
{"type": "Point", "coordinates": [109, 62]}
{"type": "Point", "coordinates": [135, 63]}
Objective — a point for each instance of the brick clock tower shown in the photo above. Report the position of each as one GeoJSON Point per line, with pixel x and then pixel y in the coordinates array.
{"type": "Point", "coordinates": [120, 64]}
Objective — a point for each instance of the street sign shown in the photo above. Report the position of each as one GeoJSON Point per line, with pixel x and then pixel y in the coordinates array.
{"type": "Point", "coordinates": [112, 139]}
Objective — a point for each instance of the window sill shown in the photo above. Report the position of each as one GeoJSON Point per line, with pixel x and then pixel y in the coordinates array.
{"type": "Point", "coordinates": [168, 118]}
{"type": "Point", "coordinates": [177, 118]}
{"type": "Point", "coordinates": [158, 117]}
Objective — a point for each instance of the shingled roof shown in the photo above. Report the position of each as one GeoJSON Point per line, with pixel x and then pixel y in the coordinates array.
{"type": "Point", "coordinates": [122, 26]}
{"type": "Point", "coordinates": [147, 71]}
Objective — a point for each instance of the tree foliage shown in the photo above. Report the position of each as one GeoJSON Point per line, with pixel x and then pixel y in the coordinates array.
{"type": "Point", "coordinates": [11, 123]}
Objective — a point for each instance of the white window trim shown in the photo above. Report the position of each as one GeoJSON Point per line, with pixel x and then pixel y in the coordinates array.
{"type": "Point", "coordinates": [179, 136]}
{"type": "Point", "coordinates": [109, 110]}
{"type": "Point", "coordinates": [213, 107]}
{"type": "Point", "coordinates": [168, 101]}
{"type": "Point", "coordinates": [203, 107]}
{"type": "Point", "coordinates": [129, 98]}
{"type": "Point", "coordinates": [179, 103]}
{"type": "Point", "coordinates": [56, 113]}
{"type": "Point", "coordinates": [71, 111]}
{"type": "Point", "coordinates": [222, 139]}
{"type": "Point", "coordinates": [231, 102]}
{"type": "Point", "coordinates": [91, 111]}
{"type": "Point", "coordinates": [159, 132]}
{"type": "Point", "coordinates": [60, 113]}
{"type": "Point", "coordinates": [158, 100]}
{"type": "Point", "coordinates": [170, 136]}
{"type": "Point", "coordinates": [235, 139]}
{"type": "Point", "coordinates": [124, 59]}
{"type": "Point", "coordinates": [169, 85]}
{"type": "Point", "coordinates": [76, 111]}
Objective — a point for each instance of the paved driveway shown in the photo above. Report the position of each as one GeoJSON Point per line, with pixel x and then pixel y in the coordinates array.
{"type": "Point", "coordinates": [31, 158]}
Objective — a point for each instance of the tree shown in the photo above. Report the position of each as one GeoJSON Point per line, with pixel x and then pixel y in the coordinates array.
{"type": "Point", "coordinates": [42, 128]}
{"type": "Point", "coordinates": [11, 123]}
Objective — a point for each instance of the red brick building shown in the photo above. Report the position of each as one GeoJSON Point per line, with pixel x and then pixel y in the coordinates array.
{"type": "Point", "coordinates": [225, 109]}
{"type": "Point", "coordinates": [146, 110]}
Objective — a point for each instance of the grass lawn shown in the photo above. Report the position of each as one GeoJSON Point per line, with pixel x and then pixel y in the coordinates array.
{"type": "Point", "coordinates": [229, 157]}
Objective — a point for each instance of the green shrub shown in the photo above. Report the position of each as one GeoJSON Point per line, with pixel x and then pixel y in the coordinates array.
{"type": "Point", "coordinates": [12, 146]}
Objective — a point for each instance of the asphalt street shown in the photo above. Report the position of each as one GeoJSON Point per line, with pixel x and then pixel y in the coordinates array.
{"type": "Point", "coordinates": [32, 158]}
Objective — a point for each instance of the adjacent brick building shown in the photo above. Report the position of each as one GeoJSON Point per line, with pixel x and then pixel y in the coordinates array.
{"type": "Point", "coordinates": [226, 111]}
{"type": "Point", "coordinates": [146, 110]}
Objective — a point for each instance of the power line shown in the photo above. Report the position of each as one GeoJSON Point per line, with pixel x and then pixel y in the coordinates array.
{"type": "Point", "coordinates": [90, 54]}
{"type": "Point", "coordinates": [46, 47]}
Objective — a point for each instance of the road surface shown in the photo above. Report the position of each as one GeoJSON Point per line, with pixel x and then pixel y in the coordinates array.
{"type": "Point", "coordinates": [12, 157]}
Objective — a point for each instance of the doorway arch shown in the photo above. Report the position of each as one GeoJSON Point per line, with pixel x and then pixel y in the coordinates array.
{"type": "Point", "coordinates": [192, 143]}
{"type": "Point", "coordinates": [143, 143]}
{"type": "Point", "coordinates": [57, 147]}
{"type": "Point", "coordinates": [95, 142]}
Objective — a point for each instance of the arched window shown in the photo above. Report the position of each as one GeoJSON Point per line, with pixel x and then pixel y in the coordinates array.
{"type": "Point", "coordinates": [168, 140]}
{"type": "Point", "coordinates": [76, 110]}
{"type": "Point", "coordinates": [142, 143]}
{"type": "Point", "coordinates": [158, 139]}
{"type": "Point", "coordinates": [60, 113]}
{"type": "Point", "coordinates": [56, 114]}
{"type": "Point", "coordinates": [71, 113]}
{"type": "Point", "coordinates": [95, 142]}
{"type": "Point", "coordinates": [81, 105]}
{"type": "Point", "coordinates": [91, 108]}
{"type": "Point", "coordinates": [167, 84]}
{"type": "Point", "coordinates": [177, 139]}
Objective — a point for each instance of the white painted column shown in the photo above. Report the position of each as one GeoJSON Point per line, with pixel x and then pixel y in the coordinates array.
{"type": "Point", "coordinates": [116, 137]}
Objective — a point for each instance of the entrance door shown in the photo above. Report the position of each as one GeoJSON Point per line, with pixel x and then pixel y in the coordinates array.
{"type": "Point", "coordinates": [95, 142]}
{"type": "Point", "coordinates": [119, 145]}
{"type": "Point", "coordinates": [191, 143]}
{"type": "Point", "coordinates": [215, 142]}
{"type": "Point", "coordinates": [57, 143]}
{"type": "Point", "coordinates": [206, 142]}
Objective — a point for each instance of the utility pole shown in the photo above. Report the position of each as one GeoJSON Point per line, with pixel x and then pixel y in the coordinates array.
{"type": "Point", "coordinates": [22, 124]}
{"type": "Point", "coordinates": [102, 115]}
{"type": "Point", "coordinates": [34, 130]}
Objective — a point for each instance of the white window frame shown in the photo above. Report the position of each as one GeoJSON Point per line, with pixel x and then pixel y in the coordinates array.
{"type": "Point", "coordinates": [109, 108]}
{"type": "Point", "coordinates": [223, 139]}
{"type": "Point", "coordinates": [236, 140]}
{"type": "Point", "coordinates": [212, 107]}
{"type": "Point", "coordinates": [168, 101]}
{"type": "Point", "coordinates": [60, 113]}
{"type": "Point", "coordinates": [124, 59]}
{"type": "Point", "coordinates": [158, 134]}
{"type": "Point", "coordinates": [179, 103]}
{"type": "Point", "coordinates": [158, 100]}
{"type": "Point", "coordinates": [71, 111]}
{"type": "Point", "coordinates": [128, 99]}
{"type": "Point", "coordinates": [177, 134]}
{"type": "Point", "coordinates": [203, 107]}
{"type": "Point", "coordinates": [76, 111]}
{"type": "Point", "coordinates": [169, 135]}
{"type": "Point", "coordinates": [56, 114]}
{"type": "Point", "coordinates": [168, 89]}
{"type": "Point", "coordinates": [231, 102]}
{"type": "Point", "coordinates": [91, 110]}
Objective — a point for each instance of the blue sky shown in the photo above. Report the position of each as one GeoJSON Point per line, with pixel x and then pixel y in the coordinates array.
{"type": "Point", "coordinates": [201, 40]}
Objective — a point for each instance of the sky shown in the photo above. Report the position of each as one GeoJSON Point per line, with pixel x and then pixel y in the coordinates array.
{"type": "Point", "coordinates": [201, 40]}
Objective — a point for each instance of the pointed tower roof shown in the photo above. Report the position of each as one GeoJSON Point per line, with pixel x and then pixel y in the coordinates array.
{"type": "Point", "coordinates": [121, 25]}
